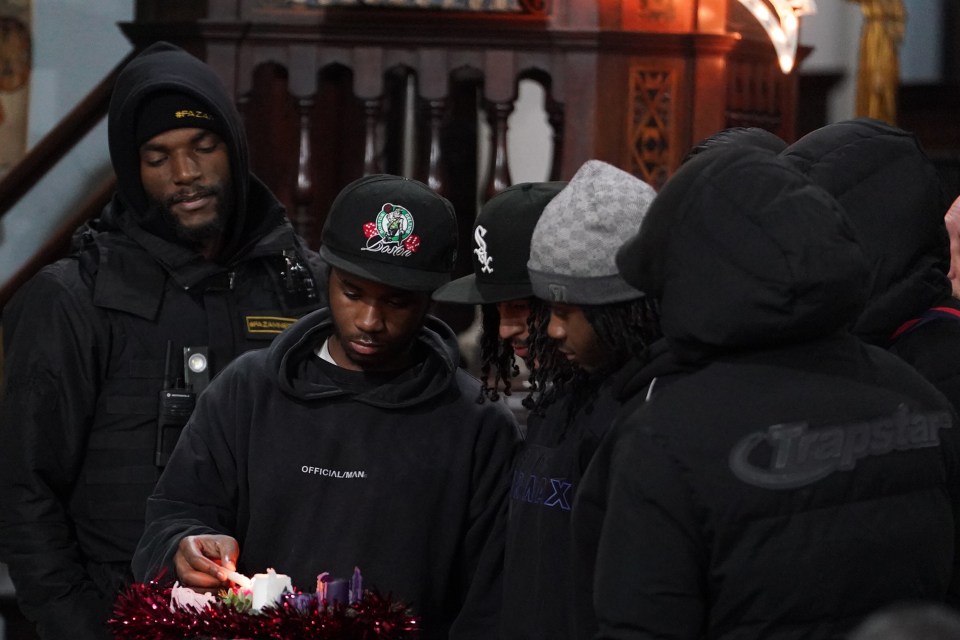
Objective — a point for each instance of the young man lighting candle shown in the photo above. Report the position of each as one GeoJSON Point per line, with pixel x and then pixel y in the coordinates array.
{"type": "Point", "coordinates": [356, 440]}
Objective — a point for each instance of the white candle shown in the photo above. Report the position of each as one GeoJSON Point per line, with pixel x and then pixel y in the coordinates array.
{"type": "Point", "coordinates": [238, 579]}
{"type": "Point", "coordinates": [267, 588]}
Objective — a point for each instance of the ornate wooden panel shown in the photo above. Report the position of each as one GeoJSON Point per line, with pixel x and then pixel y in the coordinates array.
{"type": "Point", "coordinates": [326, 89]}
{"type": "Point", "coordinates": [759, 95]}
{"type": "Point", "coordinates": [652, 121]}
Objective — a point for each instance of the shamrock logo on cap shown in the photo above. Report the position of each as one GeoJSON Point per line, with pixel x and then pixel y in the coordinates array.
{"type": "Point", "coordinates": [392, 232]}
{"type": "Point", "coordinates": [394, 223]}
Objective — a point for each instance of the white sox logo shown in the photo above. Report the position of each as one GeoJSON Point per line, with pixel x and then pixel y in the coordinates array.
{"type": "Point", "coordinates": [481, 250]}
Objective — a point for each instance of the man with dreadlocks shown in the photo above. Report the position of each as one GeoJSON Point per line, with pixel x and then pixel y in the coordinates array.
{"type": "Point", "coordinates": [513, 321]}
{"type": "Point", "coordinates": [596, 324]}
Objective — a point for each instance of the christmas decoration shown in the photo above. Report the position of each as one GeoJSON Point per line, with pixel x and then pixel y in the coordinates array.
{"type": "Point", "coordinates": [146, 611]}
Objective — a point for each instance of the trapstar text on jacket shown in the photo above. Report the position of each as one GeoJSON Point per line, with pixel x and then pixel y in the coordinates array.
{"type": "Point", "coordinates": [802, 455]}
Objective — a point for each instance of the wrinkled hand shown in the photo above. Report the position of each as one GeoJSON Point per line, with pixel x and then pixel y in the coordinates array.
{"type": "Point", "coordinates": [202, 562]}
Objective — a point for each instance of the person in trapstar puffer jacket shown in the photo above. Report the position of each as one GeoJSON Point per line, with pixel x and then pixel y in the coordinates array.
{"type": "Point", "coordinates": [797, 479]}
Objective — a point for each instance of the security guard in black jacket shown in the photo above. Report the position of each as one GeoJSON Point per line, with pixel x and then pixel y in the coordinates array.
{"type": "Point", "coordinates": [192, 263]}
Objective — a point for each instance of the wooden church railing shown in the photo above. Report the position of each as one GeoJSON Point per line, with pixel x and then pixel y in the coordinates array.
{"type": "Point", "coordinates": [330, 95]}
{"type": "Point", "coordinates": [44, 156]}
{"type": "Point", "coordinates": [56, 144]}
{"type": "Point", "coordinates": [59, 241]}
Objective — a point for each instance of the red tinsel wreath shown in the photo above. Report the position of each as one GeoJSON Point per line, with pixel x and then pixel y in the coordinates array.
{"type": "Point", "coordinates": [142, 612]}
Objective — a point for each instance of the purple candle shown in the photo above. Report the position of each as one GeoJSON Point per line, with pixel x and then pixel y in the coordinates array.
{"type": "Point", "coordinates": [356, 586]}
{"type": "Point", "coordinates": [338, 591]}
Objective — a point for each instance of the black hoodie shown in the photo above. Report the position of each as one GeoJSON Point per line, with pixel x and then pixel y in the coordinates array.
{"type": "Point", "coordinates": [163, 67]}
{"type": "Point", "coordinates": [315, 468]}
{"type": "Point", "coordinates": [86, 341]}
{"type": "Point", "coordinates": [798, 479]}
{"type": "Point", "coordinates": [891, 193]}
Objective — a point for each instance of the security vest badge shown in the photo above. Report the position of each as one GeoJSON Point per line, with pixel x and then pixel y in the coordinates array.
{"type": "Point", "coordinates": [264, 327]}
{"type": "Point", "coordinates": [392, 232]}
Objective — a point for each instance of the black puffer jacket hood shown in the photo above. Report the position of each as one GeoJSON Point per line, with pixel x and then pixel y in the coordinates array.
{"type": "Point", "coordinates": [164, 67]}
{"type": "Point", "coordinates": [744, 252]}
{"type": "Point", "coordinates": [753, 137]}
{"type": "Point", "coordinates": [433, 377]}
{"type": "Point", "coordinates": [892, 194]}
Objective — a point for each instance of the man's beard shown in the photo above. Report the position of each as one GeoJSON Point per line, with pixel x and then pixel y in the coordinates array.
{"type": "Point", "coordinates": [201, 236]}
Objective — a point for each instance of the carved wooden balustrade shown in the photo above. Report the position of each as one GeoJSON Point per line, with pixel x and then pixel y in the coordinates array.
{"type": "Point", "coordinates": [330, 93]}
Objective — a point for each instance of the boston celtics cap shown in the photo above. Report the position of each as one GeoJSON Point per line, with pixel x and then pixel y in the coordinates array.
{"type": "Point", "coordinates": [501, 237]}
{"type": "Point", "coordinates": [392, 230]}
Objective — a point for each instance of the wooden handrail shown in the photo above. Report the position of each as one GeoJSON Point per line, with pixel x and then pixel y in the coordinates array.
{"type": "Point", "coordinates": [59, 241]}
{"type": "Point", "coordinates": [45, 155]}
{"type": "Point", "coordinates": [60, 140]}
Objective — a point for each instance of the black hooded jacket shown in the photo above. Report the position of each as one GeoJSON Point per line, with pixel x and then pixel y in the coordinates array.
{"type": "Point", "coordinates": [315, 468]}
{"type": "Point", "coordinates": [798, 479]}
{"type": "Point", "coordinates": [86, 343]}
{"type": "Point", "coordinates": [891, 192]}
{"type": "Point", "coordinates": [159, 69]}
{"type": "Point", "coordinates": [546, 472]}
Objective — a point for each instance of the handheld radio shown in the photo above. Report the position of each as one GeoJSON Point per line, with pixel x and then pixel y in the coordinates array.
{"type": "Point", "coordinates": [177, 401]}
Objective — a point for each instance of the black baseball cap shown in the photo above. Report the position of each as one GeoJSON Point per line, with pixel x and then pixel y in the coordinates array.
{"type": "Point", "coordinates": [501, 237]}
{"type": "Point", "coordinates": [392, 230]}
